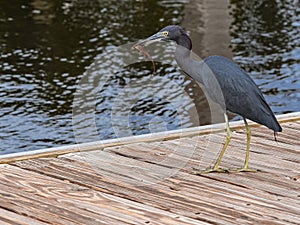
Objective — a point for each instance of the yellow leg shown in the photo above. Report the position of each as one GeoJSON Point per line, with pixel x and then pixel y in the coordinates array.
{"type": "Point", "coordinates": [216, 166]}
{"type": "Point", "coordinates": [246, 165]}
{"type": "Point", "coordinates": [228, 138]}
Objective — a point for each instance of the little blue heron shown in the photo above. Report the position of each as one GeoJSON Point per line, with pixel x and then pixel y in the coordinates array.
{"type": "Point", "coordinates": [240, 95]}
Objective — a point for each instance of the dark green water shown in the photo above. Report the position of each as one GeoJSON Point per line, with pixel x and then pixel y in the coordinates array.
{"type": "Point", "coordinates": [47, 46]}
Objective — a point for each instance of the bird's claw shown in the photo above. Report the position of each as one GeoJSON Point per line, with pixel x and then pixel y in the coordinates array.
{"type": "Point", "coordinates": [223, 170]}
{"type": "Point", "coordinates": [244, 169]}
{"type": "Point", "coordinates": [211, 170]}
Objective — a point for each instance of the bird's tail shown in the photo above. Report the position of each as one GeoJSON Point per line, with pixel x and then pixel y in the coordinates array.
{"type": "Point", "coordinates": [274, 125]}
{"type": "Point", "coordinates": [267, 116]}
{"type": "Point", "coordinates": [271, 122]}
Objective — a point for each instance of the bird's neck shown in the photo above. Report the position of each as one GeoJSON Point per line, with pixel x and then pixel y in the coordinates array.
{"type": "Point", "coordinates": [183, 57]}
{"type": "Point", "coordinates": [190, 63]}
{"type": "Point", "coordinates": [184, 41]}
{"type": "Point", "coordinates": [183, 50]}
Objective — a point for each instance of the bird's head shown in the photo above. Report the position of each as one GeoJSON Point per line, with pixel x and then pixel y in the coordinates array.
{"type": "Point", "coordinates": [169, 33]}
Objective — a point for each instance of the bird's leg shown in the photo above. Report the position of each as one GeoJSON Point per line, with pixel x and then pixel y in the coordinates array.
{"type": "Point", "coordinates": [216, 166]}
{"type": "Point", "coordinates": [246, 165]}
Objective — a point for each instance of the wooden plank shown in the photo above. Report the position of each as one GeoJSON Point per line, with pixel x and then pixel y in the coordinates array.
{"type": "Point", "coordinates": [9, 217]}
{"type": "Point", "coordinates": [56, 201]}
{"type": "Point", "coordinates": [154, 196]}
{"type": "Point", "coordinates": [155, 183]}
{"type": "Point", "coordinates": [284, 169]}
{"type": "Point", "coordinates": [168, 135]}
{"type": "Point", "coordinates": [182, 203]}
{"type": "Point", "coordinates": [186, 147]}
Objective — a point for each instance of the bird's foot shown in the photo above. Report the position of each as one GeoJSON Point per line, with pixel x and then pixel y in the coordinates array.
{"type": "Point", "coordinates": [223, 170]}
{"type": "Point", "coordinates": [211, 170]}
{"type": "Point", "coordinates": [244, 169]}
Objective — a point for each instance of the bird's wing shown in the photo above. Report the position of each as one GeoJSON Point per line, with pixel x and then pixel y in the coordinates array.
{"type": "Point", "coordinates": [240, 93]}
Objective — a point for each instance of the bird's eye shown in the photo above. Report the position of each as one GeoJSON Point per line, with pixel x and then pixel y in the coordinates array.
{"type": "Point", "coordinates": [165, 33]}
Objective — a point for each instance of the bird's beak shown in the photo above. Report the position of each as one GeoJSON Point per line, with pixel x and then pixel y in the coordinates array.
{"type": "Point", "coordinates": [154, 38]}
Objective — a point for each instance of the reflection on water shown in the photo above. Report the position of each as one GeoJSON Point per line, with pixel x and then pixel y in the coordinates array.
{"type": "Point", "coordinates": [128, 98]}
{"type": "Point", "coordinates": [266, 42]}
{"type": "Point", "coordinates": [46, 47]}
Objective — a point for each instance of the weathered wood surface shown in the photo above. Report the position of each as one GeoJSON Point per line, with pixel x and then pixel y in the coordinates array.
{"type": "Point", "coordinates": [154, 183]}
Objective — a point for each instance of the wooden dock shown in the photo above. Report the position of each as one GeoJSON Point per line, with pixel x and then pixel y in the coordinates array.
{"type": "Point", "coordinates": [151, 180]}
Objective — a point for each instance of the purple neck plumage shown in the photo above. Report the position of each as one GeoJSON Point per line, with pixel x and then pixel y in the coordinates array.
{"type": "Point", "coordinates": [184, 41]}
